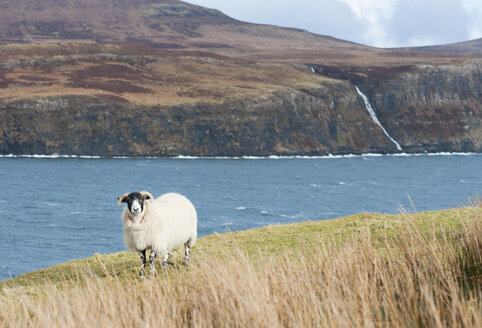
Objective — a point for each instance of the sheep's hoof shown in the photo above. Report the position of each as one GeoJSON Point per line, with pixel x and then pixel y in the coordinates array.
{"type": "Point", "coordinates": [142, 275]}
{"type": "Point", "coordinates": [152, 274]}
{"type": "Point", "coordinates": [165, 264]}
{"type": "Point", "coordinates": [186, 262]}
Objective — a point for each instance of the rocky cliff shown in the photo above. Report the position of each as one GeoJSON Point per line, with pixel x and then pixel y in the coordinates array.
{"type": "Point", "coordinates": [425, 107]}
{"type": "Point", "coordinates": [133, 105]}
{"type": "Point", "coordinates": [281, 124]}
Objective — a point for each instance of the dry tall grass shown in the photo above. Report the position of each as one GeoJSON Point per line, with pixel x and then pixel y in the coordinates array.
{"type": "Point", "coordinates": [412, 279]}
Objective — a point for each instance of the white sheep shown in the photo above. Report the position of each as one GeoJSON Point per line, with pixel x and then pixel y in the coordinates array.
{"type": "Point", "coordinates": [160, 225]}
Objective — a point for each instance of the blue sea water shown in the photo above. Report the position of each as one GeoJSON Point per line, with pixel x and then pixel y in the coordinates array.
{"type": "Point", "coordinates": [57, 209]}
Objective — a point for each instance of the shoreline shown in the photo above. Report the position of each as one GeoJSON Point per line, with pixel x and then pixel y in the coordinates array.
{"type": "Point", "coordinates": [247, 157]}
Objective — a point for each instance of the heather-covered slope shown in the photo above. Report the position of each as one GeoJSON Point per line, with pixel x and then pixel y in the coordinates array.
{"type": "Point", "coordinates": [173, 24]}
{"type": "Point", "coordinates": [165, 24]}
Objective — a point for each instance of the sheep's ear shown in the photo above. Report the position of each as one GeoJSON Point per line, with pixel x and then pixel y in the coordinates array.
{"type": "Point", "coordinates": [121, 199]}
{"type": "Point", "coordinates": [147, 195]}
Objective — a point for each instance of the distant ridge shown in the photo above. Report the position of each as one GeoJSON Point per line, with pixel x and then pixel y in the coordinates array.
{"type": "Point", "coordinates": [471, 46]}
{"type": "Point", "coordinates": [177, 25]}
{"type": "Point", "coordinates": [164, 24]}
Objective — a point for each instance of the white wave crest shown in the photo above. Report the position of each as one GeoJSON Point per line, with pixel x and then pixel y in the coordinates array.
{"type": "Point", "coordinates": [181, 157]}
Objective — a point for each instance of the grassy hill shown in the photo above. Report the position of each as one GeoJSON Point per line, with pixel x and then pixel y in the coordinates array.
{"type": "Point", "coordinates": [406, 270]}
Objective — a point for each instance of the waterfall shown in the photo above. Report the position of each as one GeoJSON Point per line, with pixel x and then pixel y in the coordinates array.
{"type": "Point", "coordinates": [374, 117]}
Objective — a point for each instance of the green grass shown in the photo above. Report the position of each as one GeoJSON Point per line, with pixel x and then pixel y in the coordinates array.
{"type": "Point", "coordinates": [285, 239]}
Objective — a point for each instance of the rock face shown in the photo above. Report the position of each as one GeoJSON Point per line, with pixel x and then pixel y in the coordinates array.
{"type": "Point", "coordinates": [434, 108]}
{"type": "Point", "coordinates": [424, 108]}
{"type": "Point", "coordinates": [283, 124]}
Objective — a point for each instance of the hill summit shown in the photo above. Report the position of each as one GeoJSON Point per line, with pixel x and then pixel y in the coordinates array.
{"type": "Point", "coordinates": [166, 24]}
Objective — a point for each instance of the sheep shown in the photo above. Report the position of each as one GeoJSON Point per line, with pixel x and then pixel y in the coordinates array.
{"type": "Point", "coordinates": [160, 225]}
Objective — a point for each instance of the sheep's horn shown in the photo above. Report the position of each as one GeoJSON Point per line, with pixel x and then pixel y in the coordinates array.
{"type": "Point", "coordinates": [121, 198]}
{"type": "Point", "coordinates": [147, 194]}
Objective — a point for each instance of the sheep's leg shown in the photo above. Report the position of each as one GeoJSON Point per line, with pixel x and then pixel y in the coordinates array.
{"type": "Point", "coordinates": [142, 254]}
{"type": "Point", "coordinates": [152, 263]}
{"type": "Point", "coordinates": [165, 262]}
{"type": "Point", "coordinates": [187, 254]}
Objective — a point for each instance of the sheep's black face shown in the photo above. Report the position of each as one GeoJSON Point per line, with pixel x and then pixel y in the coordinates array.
{"type": "Point", "coordinates": [135, 202]}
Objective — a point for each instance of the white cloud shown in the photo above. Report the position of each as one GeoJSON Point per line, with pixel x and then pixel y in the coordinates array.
{"type": "Point", "coordinates": [376, 14]}
{"type": "Point", "coordinates": [428, 22]}
{"type": "Point", "coordinates": [473, 8]}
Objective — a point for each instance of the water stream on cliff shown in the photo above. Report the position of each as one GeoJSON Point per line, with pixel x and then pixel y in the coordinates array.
{"type": "Point", "coordinates": [57, 209]}
{"type": "Point", "coordinates": [375, 119]}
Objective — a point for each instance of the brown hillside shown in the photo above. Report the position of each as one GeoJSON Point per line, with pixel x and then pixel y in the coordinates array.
{"type": "Point", "coordinates": [176, 25]}
{"type": "Point", "coordinates": [167, 24]}
{"type": "Point", "coordinates": [471, 46]}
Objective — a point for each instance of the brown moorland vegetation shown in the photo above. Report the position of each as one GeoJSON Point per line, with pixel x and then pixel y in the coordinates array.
{"type": "Point", "coordinates": [141, 75]}
{"type": "Point", "coordinates": [177, 25]}
{"type": "Point", "coordinates": [147, 76]}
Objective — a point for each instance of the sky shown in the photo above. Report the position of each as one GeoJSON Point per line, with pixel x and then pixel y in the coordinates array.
{"type": "Point", "coordinates": [379, 23]}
